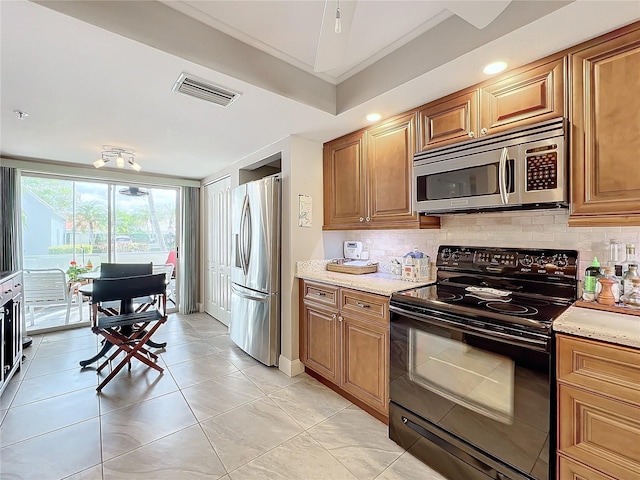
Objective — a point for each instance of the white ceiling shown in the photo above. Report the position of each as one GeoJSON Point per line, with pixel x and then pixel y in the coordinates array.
{"type": "Point", "coordinates": [107, 79]}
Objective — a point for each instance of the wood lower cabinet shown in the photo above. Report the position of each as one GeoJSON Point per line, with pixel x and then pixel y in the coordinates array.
{"type": "Point", "coordinates": [525, 96]}
{"type": "Point", "coordinates": [605, 121]}
{"type": "Point", "coordinates": [347, 343]}
{"type": "Point", "coordinates": [598, 410]}
{"type": "Point", "coordinates": [364, 361]}
{"type": "Point", "coordinates": [568, 470]}
{"type": "Point", "coordinates": [368, 181]}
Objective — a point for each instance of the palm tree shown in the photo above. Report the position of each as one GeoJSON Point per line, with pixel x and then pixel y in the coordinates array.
{"type": "Point", "coordinates": [154, 221]}
{"type": "Point", "coordinates": [91, 215]}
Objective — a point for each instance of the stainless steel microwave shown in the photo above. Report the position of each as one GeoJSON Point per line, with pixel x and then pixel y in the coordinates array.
{"type": "Point", "coordinates": [521, 168]}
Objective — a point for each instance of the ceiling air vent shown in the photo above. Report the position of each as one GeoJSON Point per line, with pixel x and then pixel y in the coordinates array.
{"type": "Point", "coordinates": [199, 88]}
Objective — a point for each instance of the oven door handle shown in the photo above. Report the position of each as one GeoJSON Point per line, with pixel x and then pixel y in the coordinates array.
{"type": "Point", "coordinates": [541, 345]}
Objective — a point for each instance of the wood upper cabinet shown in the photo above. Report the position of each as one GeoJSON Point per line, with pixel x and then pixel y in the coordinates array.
{"type": "Point", "coordinates": [389, 163]}
{"type": "Point", "coordinates": [347, 342]}
{"type": "Point", "coordinates": [605, 133]}
{"type": "Point", "coordinates": [452, 120]}
{"type": "Point", "coordinates": [344, 180]}
{"type": "Point", "coordinates": [368, 178]}
{"type": "Point", "coordinates": [598, 410]}
{"type": "Point", "coordinates": [532, 96]}
{"type": "Point", "coordinates": [525, 96]}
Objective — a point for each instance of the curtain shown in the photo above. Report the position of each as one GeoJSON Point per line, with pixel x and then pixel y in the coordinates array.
{"type": "Point", "coordinates": [188, 256]}
{"type": "Point", "coordinates": [10, 234]}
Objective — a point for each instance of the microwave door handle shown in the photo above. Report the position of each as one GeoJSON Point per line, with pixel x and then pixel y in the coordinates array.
{"type": "Point", "coordinates": [502, 177]}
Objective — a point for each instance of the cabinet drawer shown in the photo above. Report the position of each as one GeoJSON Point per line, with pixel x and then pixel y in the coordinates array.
{"type": "Point", "coordinates": [612, 370]}
{"type": "Point", "coordinates": [602, 433]}
{"type": "Point", "coordinates": [365, 305]}
{"type": "Point", "coordinates": [321, 293]}
{"type": "Point", "coordinates": [569, 470]}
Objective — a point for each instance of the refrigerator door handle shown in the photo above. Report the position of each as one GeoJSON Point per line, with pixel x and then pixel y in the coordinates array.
{"type": "Point", "coordinates": [240, 293]}
{"type": "Point", "coordinates": [249, 234]}
{"type": "Point", "coordinates": [243, 235]}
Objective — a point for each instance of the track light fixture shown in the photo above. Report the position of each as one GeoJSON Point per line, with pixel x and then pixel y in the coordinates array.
{"type": "Point", "coordinates": [120, 155]}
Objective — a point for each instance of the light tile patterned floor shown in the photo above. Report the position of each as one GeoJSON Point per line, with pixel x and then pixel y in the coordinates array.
{"type": "Point", "coordinates": [215, 413]}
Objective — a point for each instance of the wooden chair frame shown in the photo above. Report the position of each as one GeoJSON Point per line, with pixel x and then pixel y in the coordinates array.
{"type": "Point", "coordinates": [130, 330]}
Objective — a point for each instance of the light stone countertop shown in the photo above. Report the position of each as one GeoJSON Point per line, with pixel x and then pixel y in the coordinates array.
{"type": "Point", "coordinates": [381, 283]}
{"type": "Point", "coordinates": [600, 325]}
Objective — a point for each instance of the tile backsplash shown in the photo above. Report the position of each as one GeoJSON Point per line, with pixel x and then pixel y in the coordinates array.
{"type": "Point", "coordinates": [533, 229]}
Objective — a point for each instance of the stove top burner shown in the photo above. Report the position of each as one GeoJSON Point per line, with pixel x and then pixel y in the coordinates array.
{"type": "Point", "coordinates": [455, 300]}
{"type": "Point", "coordinates": [449, 297]}
{"type": "Point", "coordinates": [512, 308]}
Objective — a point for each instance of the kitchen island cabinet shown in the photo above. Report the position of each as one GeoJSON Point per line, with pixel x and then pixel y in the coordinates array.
{"type": "Point", "coordinates": [344, 338]}
{"type": "Point", "coordinates": [605, 119]}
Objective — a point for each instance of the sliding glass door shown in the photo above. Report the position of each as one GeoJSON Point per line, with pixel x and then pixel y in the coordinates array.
{"type": "Point", "coordinates": [71, 226]}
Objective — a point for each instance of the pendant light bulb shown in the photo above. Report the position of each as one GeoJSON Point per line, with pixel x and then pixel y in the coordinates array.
{"type": "Point", "coordinates": [135, 165]}
{"type": "Point", "coordinates": [119, 161]}
{"type": "Point", "coordinates": [338, 27]}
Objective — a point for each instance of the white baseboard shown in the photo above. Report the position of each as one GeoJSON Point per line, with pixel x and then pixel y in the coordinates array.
{"type": "Point", "coordinates": [291, 368]}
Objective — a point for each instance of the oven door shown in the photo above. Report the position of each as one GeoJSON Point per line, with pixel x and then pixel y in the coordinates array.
{"type": "Point", "coordinates": [479, 181]}
{"type": "Point", "coordinates": [485, 401]}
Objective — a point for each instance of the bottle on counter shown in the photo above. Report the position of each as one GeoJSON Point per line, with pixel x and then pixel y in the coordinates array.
{"type": "Point", "coordinates": [632, 298]}
{"type": "Point", "coordinates": [630, 259]}
{"type": "Point", "coordinates": [610, 288]}
{"type": "Point", "coordinates": [614, 252]}
{"type": "Point", "coordinates": [591, 275]}
{"type": "Point", "coordinates": [627, 281]}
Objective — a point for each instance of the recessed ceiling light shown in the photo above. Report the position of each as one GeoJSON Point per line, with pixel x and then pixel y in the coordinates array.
{"type": "Point", "coordinates": [495, 67]}
{"type": "Point", "coordinates": [374, 117]}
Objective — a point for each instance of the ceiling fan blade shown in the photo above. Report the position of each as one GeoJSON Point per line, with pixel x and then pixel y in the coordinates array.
{"type": "Point", "coordinates": [478, 14]}
{"type": "Point", "coordinates": [332, 46]}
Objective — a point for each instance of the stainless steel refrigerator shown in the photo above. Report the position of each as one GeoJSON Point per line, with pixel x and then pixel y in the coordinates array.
{"type": "Point", "coordinates": [255, 270]}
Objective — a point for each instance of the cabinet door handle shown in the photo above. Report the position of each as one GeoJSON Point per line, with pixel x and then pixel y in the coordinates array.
{"type": "Point", "coordinates": [368, 219]}
{"type": "Point", "coordinates": [362, 219]}
{"type": "Point", "coordinates": [333, 316]}
{"type": "Point", "coordinates": [483, 131]}
{"type": "Point", "coordinates": [340, 318]}
{"type": "Point", "coordinates": [321, 294]}
{"type": "Point", "coordinates": [471, 134]}
{"type": "Point", "coordinates": [363, 305]}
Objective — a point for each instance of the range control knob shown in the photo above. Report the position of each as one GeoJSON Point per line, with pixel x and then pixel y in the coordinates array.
{"type": "Point", "coordinates": [561, 260]}
{"type": "Point", "coordinates": [446, 254]}
{"type": "Point", "coordinates": [455, 256]}
{"type": "Point", "coordinates": [526, 261]}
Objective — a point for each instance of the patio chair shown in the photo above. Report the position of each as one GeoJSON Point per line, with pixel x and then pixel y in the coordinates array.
{"type": "Point", "coordinates": [49, 288]}
{"type": "Point", "coordinates": [168, 270]}
{"type": "Point", "coordinates": [129, 331]}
